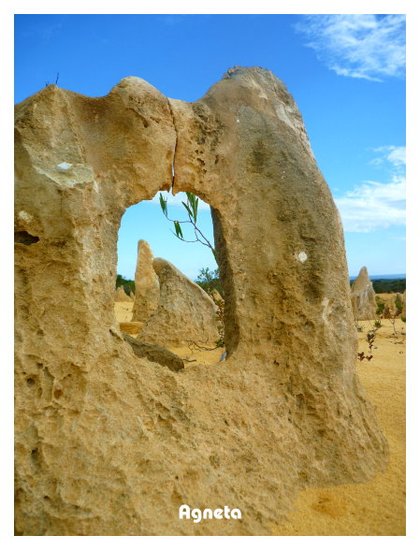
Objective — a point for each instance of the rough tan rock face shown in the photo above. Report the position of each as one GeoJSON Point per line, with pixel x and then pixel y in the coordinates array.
{"type": "Point", "coordinates": [147, 284]}
{"type": "Point", "coordinates": [185, 313]}
{"type": "Point", "coordinates": [111, 444]}
{"type": "Point", "coordinates": [215, 294]}
{"type": "Point", "coordinates": [122, 296]}
{"type": "Point", "coordinates": [363, 297]}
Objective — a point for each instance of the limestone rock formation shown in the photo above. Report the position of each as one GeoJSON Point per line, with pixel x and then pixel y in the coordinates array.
{"type": "Point", "coordinates": [121, 295]}
{"type": "Point", "coordinates": [185, 313]}
{"type": "Point", "coordinates": [363, 297]}
{"type": "Point", "coordinates": [216, 296]}
{"type": "Point", "coordinates": [147, 284]}
{"type": "Point", "coordinates": [108, 443]}
{"type": "Point", "coordinates": [155, 353]}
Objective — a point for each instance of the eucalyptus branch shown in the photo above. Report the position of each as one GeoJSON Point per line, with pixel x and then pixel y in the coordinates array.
{"type": "Point", "coordinates": [191, 207]}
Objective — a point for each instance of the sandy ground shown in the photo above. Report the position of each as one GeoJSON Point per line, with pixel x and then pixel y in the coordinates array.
{"type": "Point", "coordinates": [373, 508]}
{"type": "Point", "coordinates": [123, 311]}
{"type": "Point", "coordinates": [376, 507]}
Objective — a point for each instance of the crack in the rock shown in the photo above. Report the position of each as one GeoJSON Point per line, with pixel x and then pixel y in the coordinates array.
{"type": "Point", "coordinates": [176, 144]}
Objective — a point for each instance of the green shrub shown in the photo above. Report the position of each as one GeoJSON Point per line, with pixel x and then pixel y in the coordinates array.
{"type": "Point", "coordinates": [398, 304]}
{"type": "Point", "coordinates": [380, 306]}
{"type": "Point", "coordinates": [209, 280]}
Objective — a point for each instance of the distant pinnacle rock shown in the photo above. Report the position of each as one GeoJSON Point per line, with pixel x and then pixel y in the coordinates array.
{"type": "Point", "coordinates": [146, 299]}
{"type": "Point", "coordinates": [363, 297]}
{"type": "Point", "coordinates": [121, 295]}
{"type": "Point", "coordinates": [185, 313]}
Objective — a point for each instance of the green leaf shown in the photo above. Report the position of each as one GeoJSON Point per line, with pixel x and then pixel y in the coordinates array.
{"type": "Point", "coordinates": [188, 209]}
{"type": "Point", "coordinates": [163, 204]}
{"type": "Point", "coordinates": [193, 202]}
{"type": "Point", "coordinates": [178, 230]}
{"type": "Point", "coordinates": [195, 208]}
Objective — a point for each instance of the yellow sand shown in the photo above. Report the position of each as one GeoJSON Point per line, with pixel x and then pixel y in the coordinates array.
{"type": "Point", "coordinates": [376, 507]}
{"type": "Point", "coordinates": [373, 508]}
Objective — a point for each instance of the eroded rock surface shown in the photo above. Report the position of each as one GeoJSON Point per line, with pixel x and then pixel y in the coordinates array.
{"type": "Point", "coordinates": [147, 284]}
{"type": "Point", "coordinates": [111, 444]}
{"type": "Point", "coordinates": [185, 312]}
{"type": "Point", "coordinates": [363, 297]}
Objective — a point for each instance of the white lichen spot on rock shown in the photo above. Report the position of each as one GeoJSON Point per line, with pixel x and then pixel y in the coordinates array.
{"type": "Point", "coordinates": [301, 256]}
{"type": "Point", "coordinates": [25, 216]}
{"type": "Point", "coordinates": [64, 166]}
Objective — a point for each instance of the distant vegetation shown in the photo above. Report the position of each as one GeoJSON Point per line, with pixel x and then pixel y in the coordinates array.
{"type": "Point", "coordinates": [388, 285]}
{"type": "Point", "coordinates": [127, 284]}
{"type": "Point", "coordinates": [209, 280]}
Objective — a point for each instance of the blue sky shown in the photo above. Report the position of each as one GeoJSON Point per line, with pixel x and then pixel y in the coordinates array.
{"type": "Point", "coordinates": [346, 73]}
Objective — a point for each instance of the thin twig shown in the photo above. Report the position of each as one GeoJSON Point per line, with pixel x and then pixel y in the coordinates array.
{"type": "Point", "coordinates": [206, 242]}
{"type": "Point", "coordinates": [201, 348]}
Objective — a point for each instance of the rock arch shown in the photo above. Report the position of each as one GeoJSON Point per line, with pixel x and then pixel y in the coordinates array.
{"type": "Point", "coordinates": [104, 439]}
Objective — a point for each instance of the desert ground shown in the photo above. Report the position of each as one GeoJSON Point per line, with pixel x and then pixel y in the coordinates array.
{"type": "Point", "coordinates": [373, 508]}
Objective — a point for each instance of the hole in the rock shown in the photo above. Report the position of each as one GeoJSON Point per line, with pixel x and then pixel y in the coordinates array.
{"type": "Point", "coordinates": [58, 393]}
{"type": "Point", "coordinates": [164, 245]}
{"type": "Point", "coordinates": [23, 237]}
{"type": "Point", "coordinates": [35, 456]}
{"type": "Point", "coordinates": [30, 381]}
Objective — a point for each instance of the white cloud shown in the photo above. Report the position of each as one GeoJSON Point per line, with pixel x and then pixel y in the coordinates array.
{"type": "Point", "coordinates": [394, 155]}
{"type": "Point", "coordinates": [176, 200]}
{"type": "Point", "coordinates": [373, 205]}
{"type": "Point", "coordinates": [358, 46]}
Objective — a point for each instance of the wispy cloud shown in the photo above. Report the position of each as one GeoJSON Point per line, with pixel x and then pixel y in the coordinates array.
{"type": "Point", "coordinates": [373, 205]}
{"type": "Point", "coordinates": [394, 155]}
{"type": "Point", "coordinates": [358, 46]}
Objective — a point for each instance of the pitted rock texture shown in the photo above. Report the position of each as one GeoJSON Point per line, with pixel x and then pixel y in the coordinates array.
{"type": "Point", "coordinates": [185, 312]}
{"type": "Point", "coordinates": [147, 284]}
{"type": "Point", "coordinates": [111, 444]}
{"type": "Point", "coordinates": [363, 297]}
{"type": "Point", "coordinates": [122, 296]}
